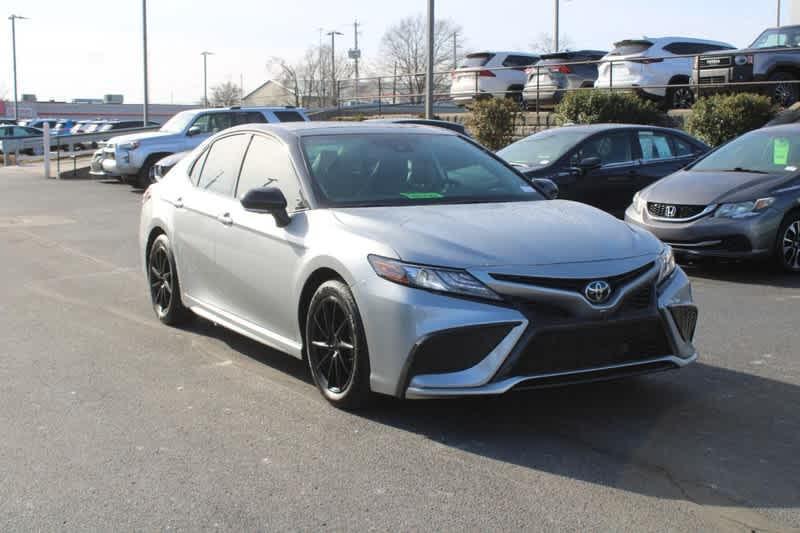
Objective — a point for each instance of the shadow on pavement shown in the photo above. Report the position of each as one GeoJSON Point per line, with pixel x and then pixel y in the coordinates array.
{"type": "Point", "coordinates": [748, 272]}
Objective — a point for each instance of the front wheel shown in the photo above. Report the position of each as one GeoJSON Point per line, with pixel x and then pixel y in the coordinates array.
{"type": "Point", "coordinates": [165, 290]}
{"type": "Point", "coordinates": [788, 245]}
{"type": "Point", "coordinates": [336, 347]}
{"type": "Point", "coordinates": [785, 90]}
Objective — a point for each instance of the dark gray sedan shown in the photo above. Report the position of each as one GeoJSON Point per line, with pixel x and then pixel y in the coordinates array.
{"type": "Point", "coordinates": [740, 201]}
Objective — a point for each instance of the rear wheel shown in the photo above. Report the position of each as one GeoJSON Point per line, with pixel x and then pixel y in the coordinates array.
{"type": "Point", "coordinates": [785, 91]}
{"type": "Point", "coordinates": [679, 97]}
{"type": "Point", "coordinates": [788, 246]}
{"type": "Point", "coordinates": [336, 347]}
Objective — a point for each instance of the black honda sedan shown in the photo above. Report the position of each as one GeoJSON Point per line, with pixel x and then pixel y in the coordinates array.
{"type": "Point", "coordinates": [603, 165]}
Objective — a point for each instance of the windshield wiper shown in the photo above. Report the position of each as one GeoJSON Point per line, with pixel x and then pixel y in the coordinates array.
{"type": "Point", "coordinates": [741, 169]}
{"type": "Point", "coordinates": [518, 164]}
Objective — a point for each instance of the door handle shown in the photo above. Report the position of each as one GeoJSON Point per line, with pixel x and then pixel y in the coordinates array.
{"type": "Point", "coordinates": [225, 219]}
{"type": "Point", "coordinates": [178, 203]}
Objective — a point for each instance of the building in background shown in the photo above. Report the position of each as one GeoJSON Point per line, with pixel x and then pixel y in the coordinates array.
{"type": "Point", "coordinates": [794, 12]}
{"type": "Point", "coordinates": [80, 109]}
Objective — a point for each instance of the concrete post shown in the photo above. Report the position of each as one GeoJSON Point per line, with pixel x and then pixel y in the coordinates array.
{"type": "Point", "coordinates": [46, 149]}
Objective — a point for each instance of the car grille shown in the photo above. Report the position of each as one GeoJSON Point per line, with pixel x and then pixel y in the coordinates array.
{"type": "Point", "coordinates": [597, 345]}
{"type": "Point", "coordinates": [714, 61]}
{"type": "Point", "coordinates": [574, 284]}
{"type": "Point", "coordinates": [712, 79]}
{"type": "Point", "coordinates": [680, 211]}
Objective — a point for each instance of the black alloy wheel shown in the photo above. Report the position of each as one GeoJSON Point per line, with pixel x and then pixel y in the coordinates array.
{"type": "Point", "coordinates": [335, 346]}
{"type": "Point", "coordinates": [681, 98]}
{"type": "Point", "coordinates": [789, 245]}
{"type": "Point", "coordinates": [786, 92]}
{"type": "Point", "coordinates": [164, 286]}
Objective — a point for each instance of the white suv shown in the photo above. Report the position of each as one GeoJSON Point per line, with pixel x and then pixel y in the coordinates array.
{"type": "Point", "coordinates": [498, 74]}
{"type": "Point", "coordinates": [646, 65]}
{"type": "Point", "coordinates": [131, 157]}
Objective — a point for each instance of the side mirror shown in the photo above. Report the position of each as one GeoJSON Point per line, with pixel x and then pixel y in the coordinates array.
{"type": "Point", "coordinates": [194, 130]}
{"type": "Point", "coordinates": [267, 200]}
{"type": "Point", "coordinates": [547, 187]}
{"type": "Point", "coordinates": [589, 163]}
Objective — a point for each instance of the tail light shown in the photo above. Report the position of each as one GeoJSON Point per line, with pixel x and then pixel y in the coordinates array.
{"type": "Point", "coordinates": [486, 74]}
{"type": "Point", "coordinates": [563, 69]}
{"type": "Point", "coordinates": [530, 71]}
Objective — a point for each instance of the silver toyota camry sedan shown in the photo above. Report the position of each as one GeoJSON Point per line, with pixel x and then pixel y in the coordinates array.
{"type": "Point", "coordinates": [408, 261]}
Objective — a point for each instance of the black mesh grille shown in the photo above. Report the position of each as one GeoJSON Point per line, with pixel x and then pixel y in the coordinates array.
{"type": "Point", "coordinates": [680, 211]}
{"type": "Point", "coordinates": [574, 284]}
{"type": "Point", "coordinates": [593, 346]}
{"type": "Point", "coordinates": [712, 79]}
{"type": "Point", "coordinates": [686, 320]}
{"type": "Point", "coordinates": [714, 61]}
{"type": "Point", "coordinates": [456, 349]}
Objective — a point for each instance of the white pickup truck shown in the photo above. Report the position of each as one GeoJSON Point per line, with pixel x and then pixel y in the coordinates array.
{"type": "Point", "coordinates": [130, 157]}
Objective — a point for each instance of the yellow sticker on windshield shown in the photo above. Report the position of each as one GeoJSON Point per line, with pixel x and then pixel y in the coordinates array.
{"type": "Point", "coordinates": [780, 151]}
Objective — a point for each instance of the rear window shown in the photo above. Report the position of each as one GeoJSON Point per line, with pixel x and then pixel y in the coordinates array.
{"type": "Point", "coordinates": [693, 48]}
{"type": "Point", "coordinates": [251, 117]}
{"type": "Point", "coordinates": [289, 116]}
{"type": "Point", "coordinates": [519, 61]}
{"type": "Point", "coordinates": [476, 60]}
{"type": "Point", "coordinates": [626, 48]}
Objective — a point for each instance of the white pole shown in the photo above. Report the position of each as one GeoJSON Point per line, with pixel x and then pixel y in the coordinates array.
{"type": "Point", "coordinates": [46, 149]}
{"type": "Point", "coordinates": [429, 65]}
{"type": "Point", "coordinates": [555, 28]}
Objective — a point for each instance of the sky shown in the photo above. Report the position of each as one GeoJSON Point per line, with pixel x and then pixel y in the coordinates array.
{"type": "Point", "coordinates": [88, 48]}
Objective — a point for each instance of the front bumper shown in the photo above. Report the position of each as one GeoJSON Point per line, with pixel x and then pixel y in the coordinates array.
{"type": "Point", "coordinates": [715, 237]}
{"type": "Point", "coordinates": [106, 163]}
{"type": "Point", "coordinates": [524, 355]}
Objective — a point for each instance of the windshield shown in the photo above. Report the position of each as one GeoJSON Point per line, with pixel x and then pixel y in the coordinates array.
{"type": "Point", "coordinates": [770, 150]}
{"type": "Point", "coordinates": [542, 149]}
{"type": "Point", "coordinates": [363, 170]}
{"type": "Point", "coordinates": [627, 48]}
{"type": "Point", "coordinates": [179, 122]}
{"type": "Point", "coordinates": [777, 38]}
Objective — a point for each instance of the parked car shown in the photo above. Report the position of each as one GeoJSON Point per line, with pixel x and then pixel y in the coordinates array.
{"type": "Point", "coordinates": [80, 126]}
{"type": "Point", "coordinates": [165, 164]}
{"type": "Point", "coordinates": [19, 132]}
{"type": "Point", "coordinates": [124, 125]}
{"type": "Point", "coordinates": [63, 127]}
{"type": "Point", "coordinates": [446, 124]}
{"type": "Point", "coordinates": [321, 240]}
{"type": "Point", "coordinates": [39, 123]}
{"type": "Point", "coordinates": [646, 66]}
{"type": "Point", "coordinates": [478, 76]}
{"type": "Point", "coordinates": [773, 57]}
{"type": "Point", "coordinates": [550, 79]}
{"type": "Point", "coordinates": [740, 201]}
{"type": "Point", "coordinates": [603, 165]}
{"type": "Point", "coordinates": [130, 157]}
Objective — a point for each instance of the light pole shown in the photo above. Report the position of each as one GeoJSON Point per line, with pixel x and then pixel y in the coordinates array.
{"type": "Point", "coordinates": [429, 66]}
{"type": "Point", "coordinates": [779, 13]}
{"type": "Point", "coordinates": [555, 26]}
{"type": "Point", "coordinates": [205, 76]}
{"type": "Point", "coordinates": [333, 35]}
{"type": "Point", "coordinates": [13, 19]}
{"type": "Point", "coordinates": [145, 117]}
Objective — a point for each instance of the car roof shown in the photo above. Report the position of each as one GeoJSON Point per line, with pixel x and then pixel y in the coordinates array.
{"type": "Point", "coordinates": [660, 41]}
{"type": "Point", "coordinates": [592, 128]}
{"type": "Point", "coordinates": [792, 127]}
{"type": "Point", "coordinates": [287, 130]}
{"type": "Point", "coordinates": [498, 52]}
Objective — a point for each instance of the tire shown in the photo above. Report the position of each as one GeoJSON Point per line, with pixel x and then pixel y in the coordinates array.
{"type": "Point", "coordinates": [679, 97]}
{"type": "Point", "coordinates": [514, 93]}
{"type": "Point", "coordinates": [143, 178]}
{"type": "Point", "coordinates": [165, 289]}
{"type": "Point", "coordinates": [336, 347]}
{"type": "Point", "coordinates": [784, 94]}
{"type": "Point", "coordinates": [787, 246]}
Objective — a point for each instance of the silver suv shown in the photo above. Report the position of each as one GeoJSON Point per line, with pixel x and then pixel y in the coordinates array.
{"type": "Point", "coordinates": [130, 157]}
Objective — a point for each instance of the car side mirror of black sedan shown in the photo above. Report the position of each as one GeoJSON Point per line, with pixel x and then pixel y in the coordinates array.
{"type": "Point", "coordinates": [547, 187]}
{"type": "Point", "coordinates": [267, 200]}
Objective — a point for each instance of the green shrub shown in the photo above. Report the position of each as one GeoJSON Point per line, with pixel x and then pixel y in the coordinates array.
{"type": "Point", "coordinates": [492, 122]}
{"type": "Point", "coordinates": [719, 118]}
{"type": "Point", "coordinates": [598, 107]}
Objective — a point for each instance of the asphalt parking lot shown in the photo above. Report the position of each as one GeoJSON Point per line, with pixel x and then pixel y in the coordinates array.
{"type": "Point", "coordinates": [109, 420]}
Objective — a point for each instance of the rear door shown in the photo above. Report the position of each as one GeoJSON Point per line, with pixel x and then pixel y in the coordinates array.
{"type": "Point", "coordinates": [661, 154]}
{"type": "Point", "coordinates": [610, 186]}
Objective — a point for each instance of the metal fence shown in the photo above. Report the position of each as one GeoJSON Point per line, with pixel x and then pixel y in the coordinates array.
{"type": "Point", "coordinates": [405, 92]}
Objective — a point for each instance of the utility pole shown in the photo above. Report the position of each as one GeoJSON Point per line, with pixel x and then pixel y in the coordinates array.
{"type": "Point", "coordinates": [394, 84]}
{"type": "Point", "coordinates": [779, 13]}
{"type": "Point", "coordinates": [241, 89]}
{"type": "Point", "coordinates": [145, 112]}
{"type": "Point", "coordinates": [13, 19]}
{"type": "Point", "coordinates": [355, 53]}
{"type": "Point", "coordinates": [333, 35]}
{"type": "Point", "coordinates": [205, 76]}
{"type": "Point", "coordinates": [429, 66]}
{"type": "Point", "coordinates": [555, 28]}
{"type": "Point", "coordinates": [455, 50]}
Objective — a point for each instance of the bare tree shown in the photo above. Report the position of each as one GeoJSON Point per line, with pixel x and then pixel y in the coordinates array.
{"type": "Point", "coordinates": [226, 94]}
{"type": "Point", "coordinates": [544, 43]}
{"type": "Point", "coordinates": [310, 78]}
{"type": "Point", "coordinates": [404, 45]}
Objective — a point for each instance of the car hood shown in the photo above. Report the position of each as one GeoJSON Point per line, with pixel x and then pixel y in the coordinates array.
{"type": "Point", "coordinates": [500, 234]}
{"type": "Point", "coordinates": [121, 139]}
{"type": "Point", "coordinates": [687, 187]}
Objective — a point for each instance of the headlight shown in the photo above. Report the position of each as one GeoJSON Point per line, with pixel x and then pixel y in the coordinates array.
{"type": "Point", "coordinates": [638, 202]}
{"type": "Point", "coordinates": [743, 60]}
{"type": "Point", "coordinates": [133, 145]}
{"type": "Point", "coordinates": [744, 209]}
{"type": "Point", "coordinates": [431, 278]}
{"type": "Point", "coordinates": [666, 263]}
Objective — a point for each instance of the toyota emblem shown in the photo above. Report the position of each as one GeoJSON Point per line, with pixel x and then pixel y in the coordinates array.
{"type": "Point", "coordinates": [598, 292]}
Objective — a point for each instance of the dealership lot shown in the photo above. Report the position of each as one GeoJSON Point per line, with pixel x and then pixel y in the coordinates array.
{"type": "Point", "coordinates": [110, 418]}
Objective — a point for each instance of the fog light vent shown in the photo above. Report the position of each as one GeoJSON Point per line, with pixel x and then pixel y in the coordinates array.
{"type": "Point", "coordinates": [686, 319]}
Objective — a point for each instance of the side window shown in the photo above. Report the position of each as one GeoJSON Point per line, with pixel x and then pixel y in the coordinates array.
{"type": "Point", "coordinates": [654, 145]}
{"type": "Point", "coordinates": [267, 164]}
{"type": "Point", "coordinates": [222, 164]}
{"type": "Point", "coordinates": [203, 122]}
{"type": "Point", "coordinates": [198, 167]}
{"type": "Point", "coordinates": [611, 148]}
{"type": "Point", "coordinates": [249, 117]}
{"type": "Point", "coordinates": [289, 116]}
{"type": "Point", "coordinates": [680, 147]}
{"type": "Point", "coordinates": [221, 121]}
